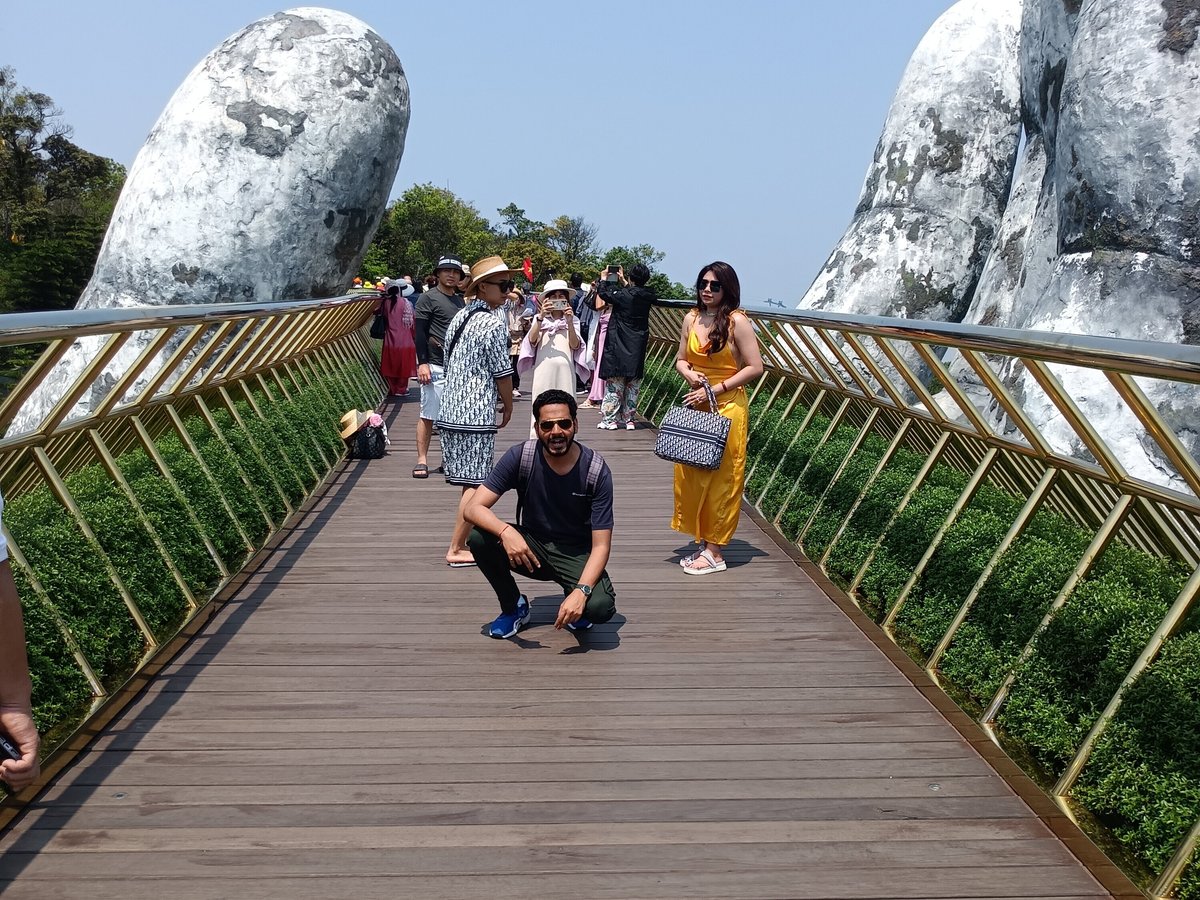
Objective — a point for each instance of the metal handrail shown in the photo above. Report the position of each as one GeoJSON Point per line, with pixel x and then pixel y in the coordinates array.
{"type": "Point", "coordinates": [110, 381]}
{"type": "Point", "coordinates": [874, 375]}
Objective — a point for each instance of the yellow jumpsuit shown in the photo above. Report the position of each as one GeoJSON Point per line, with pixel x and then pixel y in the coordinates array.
{"type": "Point", "coordinates": [708, 502]}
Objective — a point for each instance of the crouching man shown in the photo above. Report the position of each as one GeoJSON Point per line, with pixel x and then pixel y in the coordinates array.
{"type": "Point", "coordinates": [565, 516]}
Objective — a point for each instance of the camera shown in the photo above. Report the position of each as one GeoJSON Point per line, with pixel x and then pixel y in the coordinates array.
{"type": "Point", "coordinates": [7, 748]}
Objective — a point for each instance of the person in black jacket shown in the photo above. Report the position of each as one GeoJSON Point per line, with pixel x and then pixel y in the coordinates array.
{"type": "Point", "coordinates": [623, 362]}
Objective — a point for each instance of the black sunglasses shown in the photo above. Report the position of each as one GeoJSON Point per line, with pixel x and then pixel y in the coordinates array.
{"type": "Point", "coordinates": [714, 286]}
{"type": "Point", "coordinates": [550, 424]}
{"type": "Point", "coordinates": [505, 286]}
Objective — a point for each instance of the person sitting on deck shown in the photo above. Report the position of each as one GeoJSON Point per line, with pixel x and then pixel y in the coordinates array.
{"type": "Point", "coordinates": [565, 522]}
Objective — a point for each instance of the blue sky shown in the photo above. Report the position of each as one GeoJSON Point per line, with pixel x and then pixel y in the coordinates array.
{"type": "Point", "coordinates": [712, 130]}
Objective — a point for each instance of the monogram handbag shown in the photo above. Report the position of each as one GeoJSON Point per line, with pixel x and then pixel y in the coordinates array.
{"type": "Point", "coordinates": [693, 437]}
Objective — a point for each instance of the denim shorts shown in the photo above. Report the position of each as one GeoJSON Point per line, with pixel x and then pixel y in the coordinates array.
{"type": "Point", "coordinates": [431, 394]}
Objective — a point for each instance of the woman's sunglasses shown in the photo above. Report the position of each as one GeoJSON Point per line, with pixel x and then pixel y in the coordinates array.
{"type": "Point", "coordinates": [550, 424]}
{"type": "Point", "coordinates": [714, 286]}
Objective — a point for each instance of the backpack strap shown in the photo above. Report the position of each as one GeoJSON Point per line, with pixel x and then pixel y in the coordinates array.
{"type": "Point", "coordinates": [595, 467]}
{"type": "Point", "coordinates": [458, 334]}
{"type": "Point", "coordinates": [528, 449]}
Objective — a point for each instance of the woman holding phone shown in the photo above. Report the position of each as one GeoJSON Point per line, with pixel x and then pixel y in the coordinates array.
{"type": "Point", "coordinates": [553, 349]}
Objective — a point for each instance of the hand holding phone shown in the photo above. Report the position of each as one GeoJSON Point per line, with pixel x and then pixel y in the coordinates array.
{"type": "Point", "coordinates": [8, 749]}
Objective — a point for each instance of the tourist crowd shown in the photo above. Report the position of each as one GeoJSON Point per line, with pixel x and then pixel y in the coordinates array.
{"type": "Point", "coordinates": [472, 337]}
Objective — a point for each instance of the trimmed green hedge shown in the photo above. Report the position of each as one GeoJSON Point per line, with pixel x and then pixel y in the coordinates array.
{"type": "Point", "coordinates": [1142, 783]}
{"type": "Point", "coordinates": [299, 442]}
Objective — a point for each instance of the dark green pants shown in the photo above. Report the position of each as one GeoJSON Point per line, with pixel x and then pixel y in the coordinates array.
{"type": "Point", "coordinates": [560, 563]}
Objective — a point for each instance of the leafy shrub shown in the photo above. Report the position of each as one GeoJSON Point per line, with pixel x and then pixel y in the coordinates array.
{"type": "Point", "coordinates": [167, 513]}
{"type": "Point", "coordinates": [1011, 604]}
{"type": "Point", "coordinates": [129, 547]}
{"type": "Point", "coordinates": [249, 501]}
{"type": "Point", "coordinates": [955, 567]}
{"type": "Point", "coordinates": [202, 496]}
{"type": "Point", "coordinates": [61, 695]}
{"type": "Point", "coordinates": [1143, 780]}
{"type": "Point", "coordinates": [1086, 651]}
{"type": "Point", "coordinates": [74, 576]}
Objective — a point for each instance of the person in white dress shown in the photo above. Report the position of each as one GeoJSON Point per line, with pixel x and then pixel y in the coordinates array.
{"type": "Point", "coordinates": [553, 349]}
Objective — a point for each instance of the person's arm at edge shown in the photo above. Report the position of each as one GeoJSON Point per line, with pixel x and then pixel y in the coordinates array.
{"type": "Point", "coordinates": [504, 388]}
{"type": "Point", "coordinates": [16, 709]}
{"type": "Point", "coordinates": [573, 604]}
{"type": "Point", "coordinates": [479, 513]}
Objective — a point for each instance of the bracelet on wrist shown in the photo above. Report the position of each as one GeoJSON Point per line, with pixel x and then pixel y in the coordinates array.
{"type": "Point", "coordinates": [500, 533]}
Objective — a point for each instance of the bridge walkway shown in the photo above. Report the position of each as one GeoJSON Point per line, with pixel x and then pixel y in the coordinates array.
{"type": "Point", "coordinates": [342, 728]}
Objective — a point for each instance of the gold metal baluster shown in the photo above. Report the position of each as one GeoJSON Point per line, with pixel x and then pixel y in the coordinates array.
{"type": "Point", "coordinates": [834, 424]}
{"type": "Point", "coordinates": [82, 384]}
{"type": "Point", "coordinates": [256, 449]}
{"type": "Point", "coordinates": [152, 450]}
{"type": "Point", "coordinates": [1015, 412]}
{"type": "Point", "coordinates": [897, 440]}
{"type": "Point", "coordinates": [184, 436]}
{"type": "Point", "coordinates": [1165, 884]}
{"type": "Point", "coordinates": [813, 409]}
{"type": "Point", "coordinates": [1014, 532]}
{"type": "Point", "coordinates": [28, 384]}
{"type": "Point", "coordinates": [1094, 550]}
{"type": "Point", "coordinates": [967, 495]}
{"type": "Point", "coordinates": [922, 474]}
{"type": "Point", "coordinates": [114, 471]}
{"type": "Point", "coordinates": [1076, 419]}
{"type": "Point", "coordinates": [211, 421]}
{"type": "Point", "coordinates": [59, 487]}
{"type": "Point", "coordinates": [64, 629]}
{"type": "Point", "coordinates": [1167, 627]}
{"type": "Point", "coordinates": [841, 469]}
{"type": "Point", "coordinates": [1162, 433]}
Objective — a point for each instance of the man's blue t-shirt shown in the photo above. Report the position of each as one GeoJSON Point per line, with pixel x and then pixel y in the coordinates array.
{"type": "Point", "coordinates": [556, 507]}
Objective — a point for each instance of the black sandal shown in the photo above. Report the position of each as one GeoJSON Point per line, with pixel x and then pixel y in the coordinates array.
{"type": "Point", "coordinates": [420, 470]}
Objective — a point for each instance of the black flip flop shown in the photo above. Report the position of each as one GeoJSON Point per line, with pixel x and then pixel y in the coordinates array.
{"type": "Point", "coordinates": [420, 470]}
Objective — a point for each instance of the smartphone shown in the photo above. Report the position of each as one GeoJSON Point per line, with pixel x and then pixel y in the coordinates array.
{"type": "Point", "coordinates": [560, 305]}
{"type": "Point", "coordinates": [7, 748]}
{"type": "Point", "coordinates": [612, 275]}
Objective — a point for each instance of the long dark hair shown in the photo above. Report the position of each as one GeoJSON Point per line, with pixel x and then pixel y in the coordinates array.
{"type": "Point", "coordinates": [731, 299]}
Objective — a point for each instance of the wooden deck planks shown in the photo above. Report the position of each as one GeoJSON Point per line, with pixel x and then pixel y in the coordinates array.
{"type": "Point", "coordinates": [342, 728]}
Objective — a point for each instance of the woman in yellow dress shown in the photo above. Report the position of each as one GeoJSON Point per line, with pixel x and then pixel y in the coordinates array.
{"type": "Point", "coordinates": [717, 346]}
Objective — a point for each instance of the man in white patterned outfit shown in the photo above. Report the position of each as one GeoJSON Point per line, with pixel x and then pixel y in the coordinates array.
{"type": "Point", "coordinates": [478, 373]}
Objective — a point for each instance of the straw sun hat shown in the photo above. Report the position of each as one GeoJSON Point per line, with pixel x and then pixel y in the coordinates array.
{"type": "Point", "coordinates": [488, 267]}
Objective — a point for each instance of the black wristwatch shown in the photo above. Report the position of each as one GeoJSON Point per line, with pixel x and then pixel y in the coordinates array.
{"type": "Point", "coordinates": [585, 590]}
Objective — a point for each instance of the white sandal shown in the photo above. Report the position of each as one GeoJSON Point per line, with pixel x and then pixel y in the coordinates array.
{"type": "Point", "coordinates": [712, 567]}
{"type": "Point", "coordinates": [687, 560]}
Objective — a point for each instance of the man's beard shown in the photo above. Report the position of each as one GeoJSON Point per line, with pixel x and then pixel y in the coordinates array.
{"type": "Point", "coordinates": [557, 444]}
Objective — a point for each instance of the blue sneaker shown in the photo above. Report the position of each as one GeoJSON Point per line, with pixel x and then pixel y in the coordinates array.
{"type": "Point", "coordinates": [506, 625]}
{"type": "Point", "coordinates": [580, 624]}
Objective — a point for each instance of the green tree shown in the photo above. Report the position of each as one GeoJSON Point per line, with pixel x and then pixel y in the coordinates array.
{"type": "Point", "coordinates": [574, 238]}
{"type": "Point", "coordinates": [519, 226]}
{"type": "Point", "coordinates": [426, 222]}
{"type": "Point", "coordinates": [55, 202]}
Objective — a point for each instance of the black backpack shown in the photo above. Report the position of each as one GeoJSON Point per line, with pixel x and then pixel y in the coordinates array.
{"type": "Point", "coordinates": [367, 443]}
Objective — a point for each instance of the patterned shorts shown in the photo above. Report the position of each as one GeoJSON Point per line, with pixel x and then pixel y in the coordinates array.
{"type": "Point", "coordinates": [467, 455]}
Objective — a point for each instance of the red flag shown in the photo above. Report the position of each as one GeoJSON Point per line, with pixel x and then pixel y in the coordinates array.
{"type": "Point", "coordinates": [527, 268]}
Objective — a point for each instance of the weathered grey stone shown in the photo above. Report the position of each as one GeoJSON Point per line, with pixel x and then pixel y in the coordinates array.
{"type": "Point", "coordinates": [264, 179]}
{"type": "Point", "coordinates": [940, 178]}
{"type": "Point", "coordinates": [1128, 182]}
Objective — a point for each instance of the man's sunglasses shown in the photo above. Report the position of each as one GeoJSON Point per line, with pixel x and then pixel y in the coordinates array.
{"type": "Point", "coordinates": [550, 424]}
{"type": "Point", "coordinates": [714, 286]}
{"type": "Point", "coordinates": [505, 286]}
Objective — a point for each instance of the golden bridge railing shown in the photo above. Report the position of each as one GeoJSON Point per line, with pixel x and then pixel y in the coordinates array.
{"type": "Point", "coordinates": [179, 442]}
{"type": "Point", "coordinates": [836, 385]}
